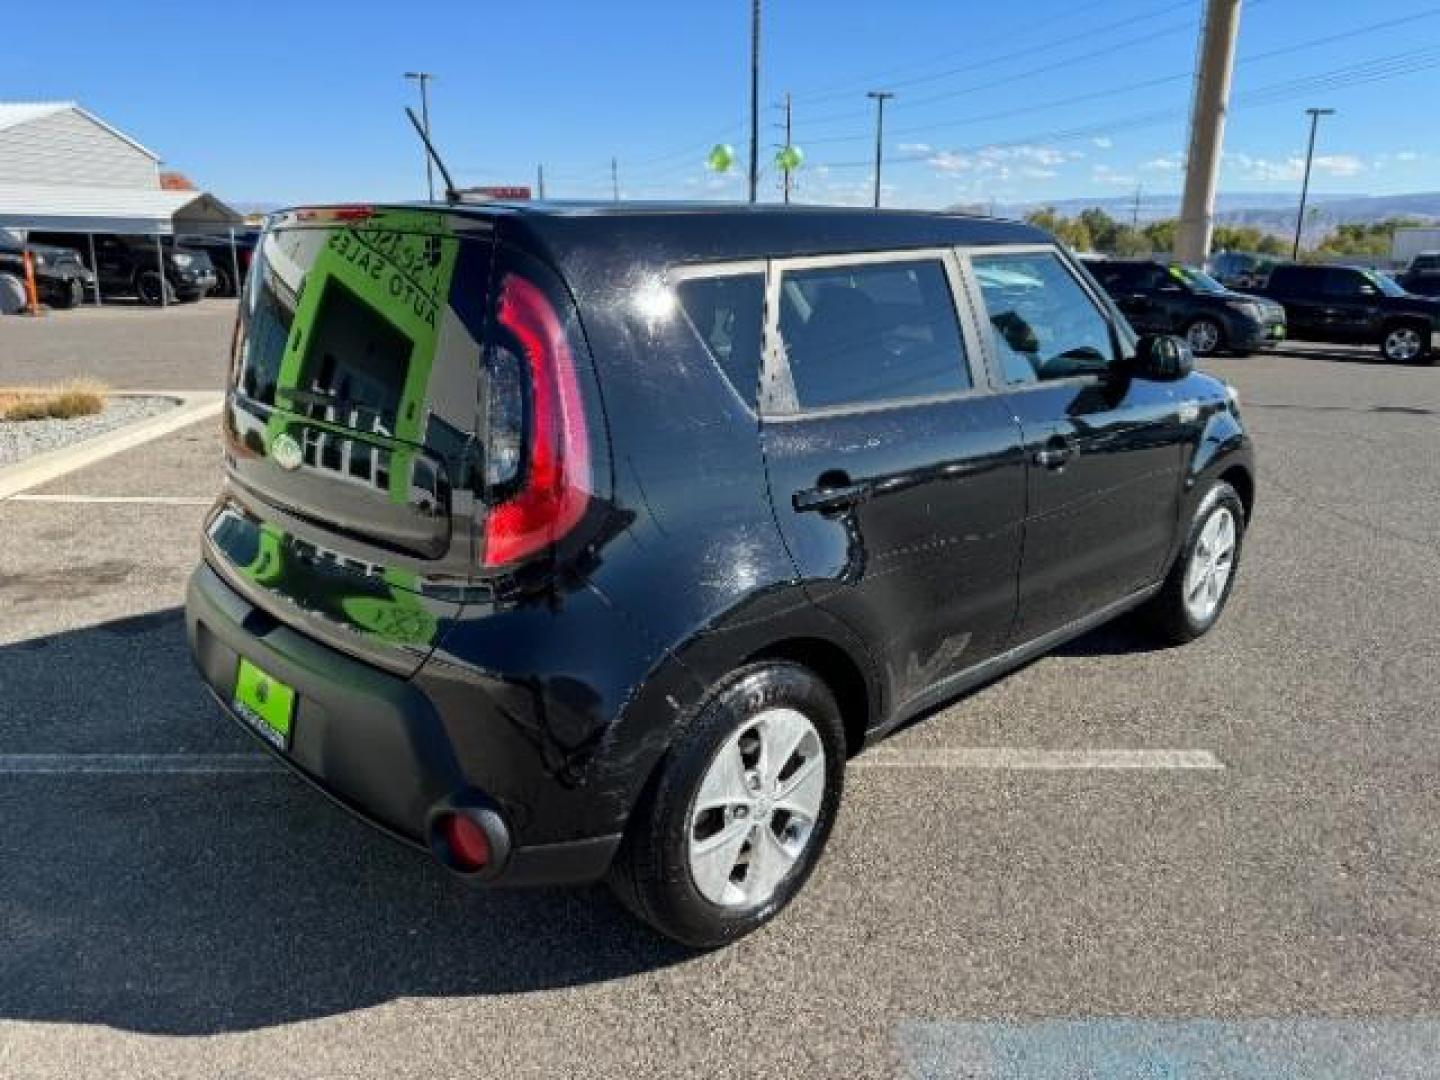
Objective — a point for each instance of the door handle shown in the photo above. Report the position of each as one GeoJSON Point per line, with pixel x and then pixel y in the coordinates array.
{"type": "Point", "coordinates": [833, 491]}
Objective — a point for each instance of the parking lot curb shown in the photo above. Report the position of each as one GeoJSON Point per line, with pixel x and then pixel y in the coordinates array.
{"type": "Point", "coordinates": [193, 407]}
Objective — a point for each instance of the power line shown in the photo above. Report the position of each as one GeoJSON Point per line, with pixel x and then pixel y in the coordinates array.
{"type": "Point", "coordinates": [993, 60]}
{"type": "Point", "coordinates": [1162, 80]}
{"type": "Point", "coordinates": [1376, 69]}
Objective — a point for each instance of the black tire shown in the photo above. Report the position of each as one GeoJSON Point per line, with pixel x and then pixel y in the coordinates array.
{"type": "Point", "coordinates": [651, 873]}
{"type": "Point", "coordinates": [1209, 332]}
{"type": "Point", "coordinates": [1396, 343]}
{"type": "Point", "coordinates": [71, 294]}
{"type": "Point", "coordinates": [222, 283]}
{"type": "Point", "coordinates": [1169, 616]}
{"type": "Point", "coordinates": [147, 288]}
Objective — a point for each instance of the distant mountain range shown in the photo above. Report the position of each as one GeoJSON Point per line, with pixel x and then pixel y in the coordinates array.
{"type": "Point", "coordinates": [1268, 211]}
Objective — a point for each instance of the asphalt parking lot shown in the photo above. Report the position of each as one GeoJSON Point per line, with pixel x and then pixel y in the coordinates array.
{"type": "Point", "coordinates": [213, 917]}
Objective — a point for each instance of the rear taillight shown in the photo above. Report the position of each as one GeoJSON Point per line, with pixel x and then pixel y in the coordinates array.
{"type": "Point", "coordinates": [552, 483]}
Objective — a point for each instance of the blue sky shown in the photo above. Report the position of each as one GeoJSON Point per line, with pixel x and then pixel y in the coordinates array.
{"type": "Point", "coordinates": [269, 102]}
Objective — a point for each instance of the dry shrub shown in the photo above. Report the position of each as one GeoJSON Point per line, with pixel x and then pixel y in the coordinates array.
{"type": "Point", "coordinates": [78, 397]}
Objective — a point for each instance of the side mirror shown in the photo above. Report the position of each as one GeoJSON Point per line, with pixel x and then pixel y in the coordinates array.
{"type": "Point", "coordinates": [1162, 358]}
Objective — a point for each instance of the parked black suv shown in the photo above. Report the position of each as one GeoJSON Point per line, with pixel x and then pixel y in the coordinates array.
{"type": "Point", "coordinates": [129, 266]}
{"type": "Point", "coordinates": [230, 265]}
{"type": "Point", "coordinates": [1422, 276]}
{"type": "Point", "coordinates": [61, 279]}
{"type": "Point", "coordinates": [572, 540]}
{"type": "Point", "coordinates": [1169, 298]}
{"type": "Point", "coordinates": [1349, 304]}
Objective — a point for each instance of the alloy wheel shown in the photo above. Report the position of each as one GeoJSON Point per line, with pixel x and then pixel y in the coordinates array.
{"type": "Point", "coordinates": [1211, 562]}
{"type": "Point", "coordinates": [755, 812]}
{"type": "Point", "coordinates": [1402, 343]}
{"type": "Point", "coordinates": [1204, 336]}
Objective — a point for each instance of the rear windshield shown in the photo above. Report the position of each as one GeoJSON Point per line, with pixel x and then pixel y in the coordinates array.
{"type": "Point", "coordinates": [354, 325]}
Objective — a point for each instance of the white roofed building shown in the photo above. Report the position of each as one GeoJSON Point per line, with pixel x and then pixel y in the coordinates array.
{"type": "Point", "coordinates": [62, 168]}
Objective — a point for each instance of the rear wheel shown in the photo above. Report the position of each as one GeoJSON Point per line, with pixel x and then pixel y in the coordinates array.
{"type": "Point", "coordinates": [1205, 336]}
{"type": "Point", "coordinates": [1199, 584]}
{"type": "Point", "coordinates": [739, 811]}
{"type": "Point", "coordinates": [1404, 344]}
{"type": "Point", "coordinates": [150, 287]}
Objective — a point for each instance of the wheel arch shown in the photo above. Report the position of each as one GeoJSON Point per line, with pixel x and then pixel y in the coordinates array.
{"type": "Point", "coordinates": [838, 670]}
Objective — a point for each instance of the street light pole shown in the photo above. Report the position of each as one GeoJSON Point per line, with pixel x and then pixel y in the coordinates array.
{"type": "Point", "coordinates": [754, 97]}
{"type": "Point", "coordinates": [423, 78]}
{"type": "Point", "coordinates": [879, 97]}
{"type": "Point", "coordinates": [1314, 115]}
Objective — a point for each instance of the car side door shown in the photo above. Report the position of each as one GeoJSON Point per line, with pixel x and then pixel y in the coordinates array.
{"type": "Point", "coordinates": [1351, 311]}
{"type": "Point", "coordinates": [1301, 291]}
{"type": "Point", "coordinates": [896, 473]}
{"type": "Point", "coordinates": [1103, 448]}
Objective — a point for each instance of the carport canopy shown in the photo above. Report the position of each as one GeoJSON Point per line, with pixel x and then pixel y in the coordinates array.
{"type": "Point", "coordinates": [133, 211]}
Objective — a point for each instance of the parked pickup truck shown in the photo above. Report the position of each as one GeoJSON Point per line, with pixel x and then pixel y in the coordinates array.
{"type": "Point", "coordinates": [1350, 304]}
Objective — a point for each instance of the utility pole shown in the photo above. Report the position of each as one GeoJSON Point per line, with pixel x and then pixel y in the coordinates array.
{"type": "Point", "coordinates": [1135, 211]}
{"type": "Point", "coordinates": [540, 181]}
{"type": "Point", "coordinates": [754, 97]}
{"type": "Point", "coordinates": [1314, 115]}
{"type": "Point", "coordinates": [879, 97]}
{"type": "Point", "coordinates": [787, 145]}
{"type": "Point", "coordinates": [423, 78]}
{"type": "Point", "coordinates": [615, 178]}
{"type": "Point", "coordinates": [1207, 130]}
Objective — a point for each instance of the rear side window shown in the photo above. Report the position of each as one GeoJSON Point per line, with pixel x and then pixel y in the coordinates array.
{"type": "Point", "coordinates": [1340, 282]}
{"type": "Point", "coordinates": [1045, 326]}
{"type": "Point", "coordinates": [863, 334]}
{"type": "Point", "coordinates": [729, 314]}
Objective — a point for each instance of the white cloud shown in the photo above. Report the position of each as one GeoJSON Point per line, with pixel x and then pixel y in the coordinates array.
{"type": "Point", "coordinates": [915, 148]}
{"type": "Point", "coordinates": [1104, 142]}
{"type": "Point", "coordinates": [1407, 155]}
{"type": "Point", "coordinates": [1291, 169]}
{"type": "Point", "coordinates": [1002, 162]}
{"type": "Point", "coordinates": [1165, 163]}
{"type": "Point", "coordinates": [1104, 174]}
{"type": "Point", "coordinates": [1339, 164]}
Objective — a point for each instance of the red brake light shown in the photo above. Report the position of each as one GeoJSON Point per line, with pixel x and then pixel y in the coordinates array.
{"type": "Point", "coordinates": [555, 488]}
{"type": "Point", "coordinates": [335, 213]}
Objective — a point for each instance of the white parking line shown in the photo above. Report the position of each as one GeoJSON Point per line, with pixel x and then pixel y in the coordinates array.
{"type": "Point", "coordinates": [135, 764]}
{"type": "Point", "coordinates": [122, 500]}
{"type": "Point", "coordinates": [879, 758]}
{"type": "Point", "coordinates": [1052, 760]}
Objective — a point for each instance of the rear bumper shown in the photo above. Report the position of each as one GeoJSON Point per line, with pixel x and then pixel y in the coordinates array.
{"type": "Point", "coordinates": [371, 741]}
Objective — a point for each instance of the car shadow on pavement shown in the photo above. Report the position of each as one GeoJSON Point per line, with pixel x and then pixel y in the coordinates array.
{"type": "Point", "coordinates": [1125, 635]}
{"type": "Point", "coordinates": [198, 904]}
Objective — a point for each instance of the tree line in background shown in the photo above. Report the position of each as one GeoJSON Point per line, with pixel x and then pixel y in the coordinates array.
{"type": "Point", "coordinates": [1095, 230]}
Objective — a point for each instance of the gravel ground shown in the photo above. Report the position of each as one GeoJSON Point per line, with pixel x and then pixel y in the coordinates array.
{"type": "Point", "coordinates": [21, 439]}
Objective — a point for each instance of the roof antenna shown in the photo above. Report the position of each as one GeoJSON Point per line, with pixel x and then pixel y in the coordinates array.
{"type": "Point", "coordinates": [452, 196]}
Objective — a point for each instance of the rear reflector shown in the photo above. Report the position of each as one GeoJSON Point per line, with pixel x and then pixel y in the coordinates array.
{"type": "Point", "coordinates": [555, 487]}
{"type": "Point", "coordinates": [465, 843]}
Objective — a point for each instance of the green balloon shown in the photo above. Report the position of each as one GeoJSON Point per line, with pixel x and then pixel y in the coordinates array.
{"type": "Point", "coordinates": [722, 156]}
{"type": "Point", "coordinates": [789, 158]}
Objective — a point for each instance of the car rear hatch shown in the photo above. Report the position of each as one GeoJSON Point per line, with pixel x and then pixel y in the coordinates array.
{"type": "Point", "coordinates": [350, 428]}
{"type": "Point", "coordinates": [413, 424]}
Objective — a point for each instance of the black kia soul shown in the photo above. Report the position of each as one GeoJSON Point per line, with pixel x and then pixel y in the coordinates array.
{"type": "Point", "coordinates": [574, 541]}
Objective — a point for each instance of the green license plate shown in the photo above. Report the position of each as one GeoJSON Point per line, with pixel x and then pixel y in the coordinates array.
{"type": "Point", "coordinates": [265, 703]}
{"type": "Point", "coordinates": [1277, 333]}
